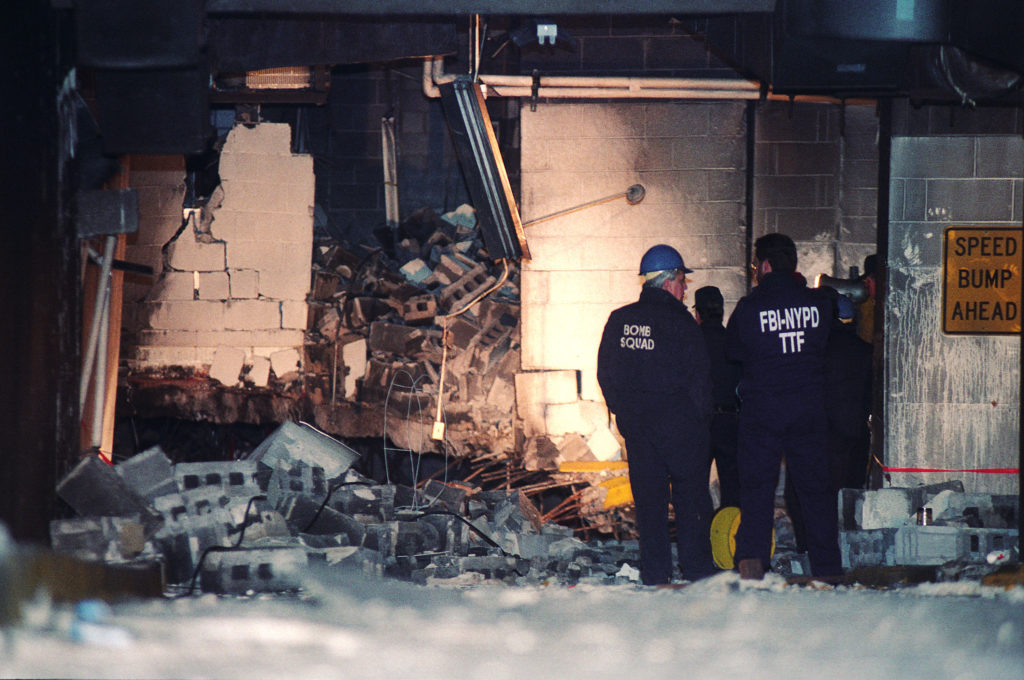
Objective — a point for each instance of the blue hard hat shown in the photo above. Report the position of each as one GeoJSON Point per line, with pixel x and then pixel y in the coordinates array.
{"type": "Point", "coordinates": [662, 257]}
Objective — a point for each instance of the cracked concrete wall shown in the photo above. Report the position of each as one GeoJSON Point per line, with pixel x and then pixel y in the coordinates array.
{"type": "Point", "coordinates": [952, 402]}
{"type": "Point", "coordinates": [237, 278]}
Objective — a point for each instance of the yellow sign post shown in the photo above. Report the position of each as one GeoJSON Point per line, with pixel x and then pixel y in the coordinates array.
{"type": "Point", "coordinates": [981, 280]}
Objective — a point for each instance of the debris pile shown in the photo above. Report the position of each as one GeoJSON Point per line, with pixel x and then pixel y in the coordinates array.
{"type": "Point", "coordinates": [423, 317]}
{"type": "Point", "coordinates": [387, 323]}
{"type": "Point", "coordinates": [380, 319]}
{"type": "Point", "coordinates": [934, 525]}
{"type": "Point", "coordinates": [255, 524]}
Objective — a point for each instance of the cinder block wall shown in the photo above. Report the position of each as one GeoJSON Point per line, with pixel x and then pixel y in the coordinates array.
{"type": "Point", "coordinates": [239, 281]}
{"type": "Point", "coordinates": [159, 182]}
{"type": "Point", "coordinates": [816, 177]}
{"type": "Point", "coordinates": [688, 156]}
{"type": "Point", "coordinates": [346, 143]}
{"type": "Point", "coordinates": [952, 402]}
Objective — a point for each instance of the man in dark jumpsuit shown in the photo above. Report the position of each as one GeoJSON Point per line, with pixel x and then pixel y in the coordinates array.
{"type": "Point", "coordinates": [779, 333]}
{"type": "Point", "coordinates": [654, 373]}
{"type": "Point", "coordinates": [725, 376]}
{"type": "Point", "coordinates": [848, 361]}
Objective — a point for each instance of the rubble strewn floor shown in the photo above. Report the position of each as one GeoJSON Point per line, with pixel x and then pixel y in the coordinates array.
{"type": "Point", "coordinates": [717, 628]}
{"type": "Point", "coordinates": [288, 563]}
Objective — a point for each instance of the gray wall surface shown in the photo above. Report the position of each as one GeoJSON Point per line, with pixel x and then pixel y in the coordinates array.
{"type": "Point", "coordinates": [951, 402]}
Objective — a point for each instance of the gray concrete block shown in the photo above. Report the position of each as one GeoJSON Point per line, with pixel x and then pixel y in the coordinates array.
{"type": "Point", "coordinates": [494, 566]}
{"type": "Point", "coordinates": [299, 512]}
{"type": "Point", "coordinates": [368, 504]}
{"type": "Point", "coordinates": [94, 489]}
{"type": "Point", "coordinates": [172, 506]}
{"type": "Point", "coordinates": [351, 559]}
{"type": "Point", "coordinates": [933, 157]}
{"type": "Point", "coordinates": [566, 548]}
{"type": "Point", "coordinates": [197, 502]}
{"type": "Point", "coordinates": [298, 441]}
{"type": "Point", "coordinates": [453, 534]}
{"type": "Point", "coordinates": [452, 497]}
{"type": "Point", "coordinates": [257, 520]}
{"type": "Point", "coordinates": [383, 538]}
{"type": "Point", "coordinates": [980, 200]}
{"type": "Point", "coordinates": [936, 545]}
{"type": "Point", "coordinates": [183, 542]}
{"type": "Point", "coordinates": [108, 539]}
{"type": "Point", "coordinates": [253, 569]}
{"type": "Point", "coordinates": [434, 494]}
{"type": "Point", "coordinates": [414, 538]}
{"type": "Point", "coordinates": [234, 478]}
{"type": "Point", "coordinates": [394, 338]}
{"type": "Point", "coordinates": [886, 509]}
{"type": "Point", "coordinates": [296, 477]}
{"type": "Point", "coordinates": [928, 545]}
{"type": "Point", "coordinates": [440, 567]}
{"type": "Point", "coordinates": [920, 495]}
{"type": "Point", "coordinates": [868, 548]}
{"type": "Point", "coordinates": [149, 473]}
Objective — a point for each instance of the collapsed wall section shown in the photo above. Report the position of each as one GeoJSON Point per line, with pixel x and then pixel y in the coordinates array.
{"type": "Point", "coordinates": [231, 281]}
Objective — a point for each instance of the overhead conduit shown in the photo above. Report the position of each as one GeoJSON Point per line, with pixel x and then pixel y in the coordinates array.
{"type": "Point", "coordinates": [586, 87]}
{"type": "Point", "coordinates": [618, 87]}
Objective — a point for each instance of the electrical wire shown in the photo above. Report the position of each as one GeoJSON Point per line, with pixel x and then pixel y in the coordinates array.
{"type": "Point", "coordinates": [225, 548]}
{"type": "Point", "coordinates": [330, 492]}
{"type": "Point", "coordinates": [414, 458]}
{"type": "Point", "coordinates": [487, 539]}
{"type": "Point", "coordinates": [445, 320]}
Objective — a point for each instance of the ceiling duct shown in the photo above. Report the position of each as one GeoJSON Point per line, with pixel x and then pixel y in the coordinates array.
{"type": "Point", "coordinates": [969, 79]}
{"type": "Point", "coordinates": [883, 20]}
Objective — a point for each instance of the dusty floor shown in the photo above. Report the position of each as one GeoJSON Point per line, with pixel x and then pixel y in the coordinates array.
{"type": "Point", "coordinates": [717, 628]}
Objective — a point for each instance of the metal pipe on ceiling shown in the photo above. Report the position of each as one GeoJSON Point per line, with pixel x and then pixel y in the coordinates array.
{"type": "Point", "coordinates": [595, 87]}
{"type": "Point", "coordinates": [619, 87]}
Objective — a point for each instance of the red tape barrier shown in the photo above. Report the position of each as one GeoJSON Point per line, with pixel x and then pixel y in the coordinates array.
{"type": "Point", "coordinates": [987, 471]}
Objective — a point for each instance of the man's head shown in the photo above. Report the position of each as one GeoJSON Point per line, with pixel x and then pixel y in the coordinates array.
{"type": "Point", "coordinates": [774, 253]}
{"type": "Point", "coordinates": [662, 267]}
{"type": "Point", "coordinates": [709, 304]}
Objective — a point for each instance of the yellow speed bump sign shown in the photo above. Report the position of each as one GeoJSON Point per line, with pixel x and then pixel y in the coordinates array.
{"type": "Point", "coordinates": [981, 280]}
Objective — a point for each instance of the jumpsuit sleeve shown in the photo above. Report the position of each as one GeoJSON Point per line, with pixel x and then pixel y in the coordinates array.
{"type": "Point", "coordinates": [733, 341]}
{"type": "Point", "coordinates": [606, 370]}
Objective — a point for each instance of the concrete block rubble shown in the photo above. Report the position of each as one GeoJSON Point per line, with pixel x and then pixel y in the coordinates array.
{"type": "Point", "coordinates": [937, 524]}
{"type": "Point", "coordinates": [375, 333]}
{"type": "Point", "coordinates": [379, 321]}
{"type": "Point", "coordinates": [254, 525]}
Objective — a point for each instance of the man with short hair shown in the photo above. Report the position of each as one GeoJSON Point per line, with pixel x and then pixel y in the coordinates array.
{"type": "Point", "coordinates": [654, 373]}
{"type": "Point", "coordinates": [779, 333]}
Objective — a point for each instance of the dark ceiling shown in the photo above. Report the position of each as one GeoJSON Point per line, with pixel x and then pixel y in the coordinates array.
{"type": "Point", "coordinates": [961, 52]}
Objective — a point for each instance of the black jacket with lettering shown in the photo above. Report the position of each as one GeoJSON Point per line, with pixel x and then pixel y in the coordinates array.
{"type": "Point", "coordinates": [779, 333]}
{"type": "Point", "coordinates": [663, 369]}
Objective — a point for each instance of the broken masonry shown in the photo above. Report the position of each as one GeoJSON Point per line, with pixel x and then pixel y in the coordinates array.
{"type": "Point", "coordinates": [257, 524]}
{"type": "Point", "coordinates": [372, 364]}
